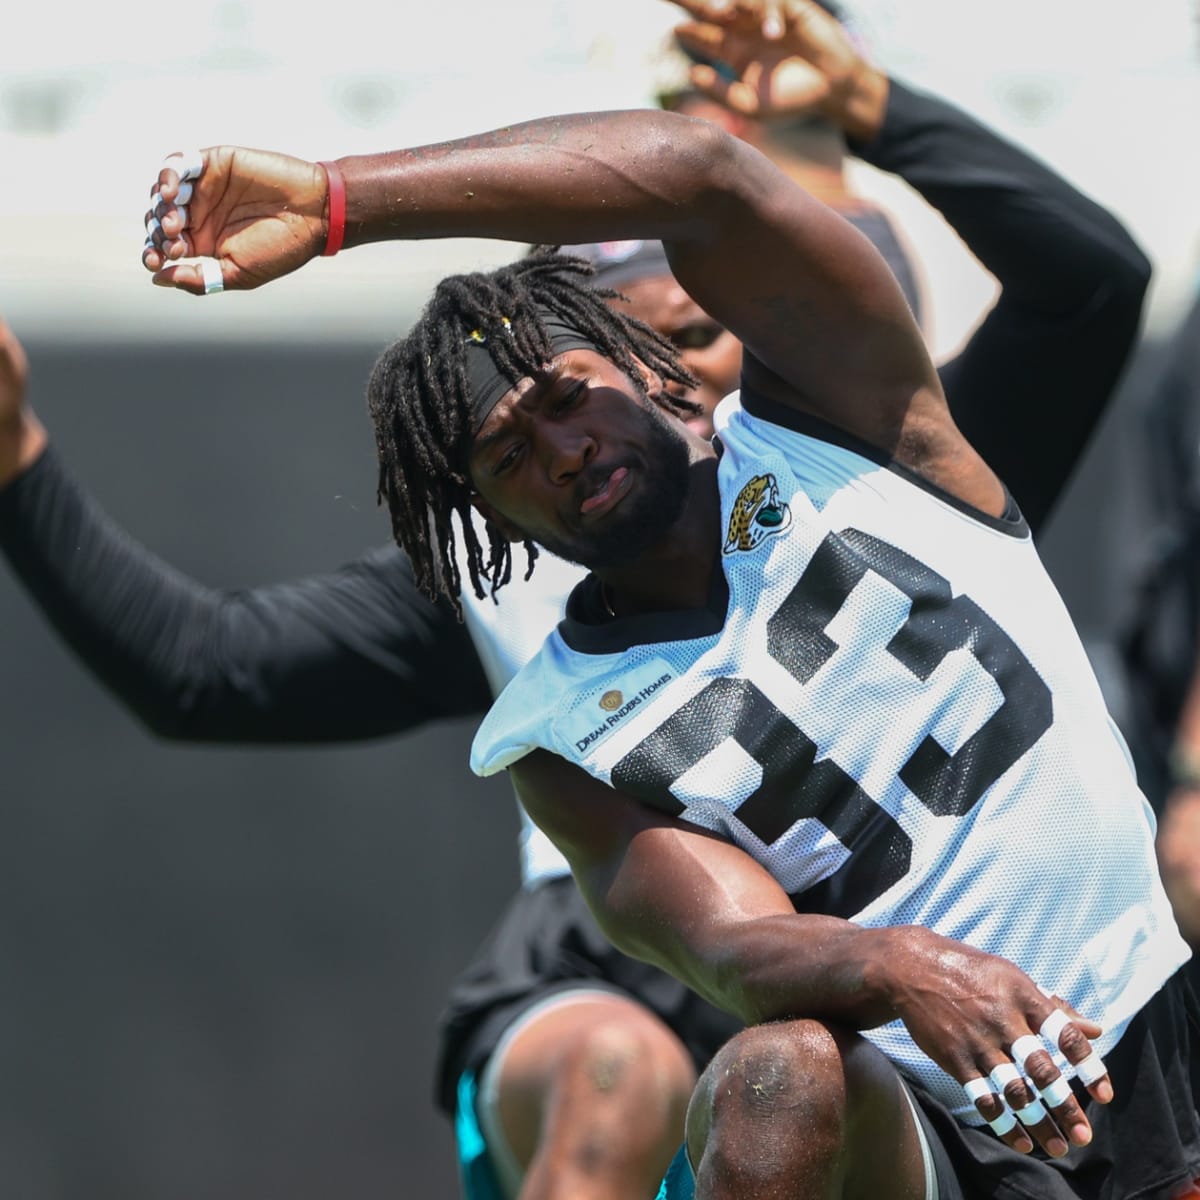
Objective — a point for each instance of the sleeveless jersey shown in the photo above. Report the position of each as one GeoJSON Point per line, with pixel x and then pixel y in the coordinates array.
{"type": "Point", "coordinates": [891, 711]}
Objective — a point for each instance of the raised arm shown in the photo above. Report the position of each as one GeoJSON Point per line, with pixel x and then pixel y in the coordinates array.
{"type": "Point", "coordinates": [825, 323]}
{"type": "Point", "coordinates": [354, 654]}
{"type": "Point", "coordinates": [1047, 358]}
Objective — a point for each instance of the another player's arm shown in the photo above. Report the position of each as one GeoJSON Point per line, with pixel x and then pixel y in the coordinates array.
{"type": "Point", "coordinates": [699, 907]}
{"type": "Point", "coordinates": [354, 654]}
{"type": "Point", "coordinates": [1048, 354]}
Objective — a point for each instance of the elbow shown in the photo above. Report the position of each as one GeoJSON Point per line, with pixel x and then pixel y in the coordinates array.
{"type": "Point", "coordinates": [709, 166]}
{"type": "Point", "coordinates": [1131, 276]}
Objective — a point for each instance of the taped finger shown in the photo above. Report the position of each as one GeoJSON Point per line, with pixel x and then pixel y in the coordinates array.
{"type": "Point", "coordinates": [1006, 1122]}
{"type": "Point", "coordinates": [1023, 1047]}
{"type": "Point", "coordinates": [1003, 1074]}
{"type": "Point", "coordinates": [1053, 1026]}
{"type": "Point", "coordinates": [1091, 1069]}
{"type": "Point", "coordinates": [1056, 1092]}
{"type": "Point", "coordinates": [214, 281]}
{"type": "Point", "coordinates": [1032, 1114]}
{"type": "Point", "coordinates": [186, 164]}
{"type": "Point", "coordinates": [979, 1089]}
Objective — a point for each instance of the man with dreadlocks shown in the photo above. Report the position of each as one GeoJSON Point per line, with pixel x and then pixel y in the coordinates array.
{"type": "Point", "coordinates": [424, 476]}
{"type": "Point", "coordinates": [811, 729]}
{"type": "Point", "coordinates": [489, 567]}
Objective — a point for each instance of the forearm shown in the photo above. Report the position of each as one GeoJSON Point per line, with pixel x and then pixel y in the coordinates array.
{"type": "Point", "coordinates": [1047, 243]}
{"type": "Point", "coordinates": [701, 909]}
{"type": "Point", "coordinates": [328, 660]}
{"type": "Point", "coordinates": [561, 179]}
{"type": "Point", "coordinates": [1033, 381]}
{"type": "Point", "coordinates": [792, 965]}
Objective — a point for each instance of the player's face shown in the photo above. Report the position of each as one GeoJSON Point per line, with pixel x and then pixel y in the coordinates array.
{"type": "Point", "coordinates": [579, 462]}
{"type": "Point", "coordinates": [707, 348]}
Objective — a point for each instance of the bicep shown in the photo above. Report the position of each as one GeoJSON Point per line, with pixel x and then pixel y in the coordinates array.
{"type": "Point", "coordinates": [810, 297]}
{"type": "Point", "coordinates": [662, 889]}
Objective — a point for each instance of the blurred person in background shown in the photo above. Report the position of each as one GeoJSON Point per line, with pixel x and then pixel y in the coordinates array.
{"type": "Point", "coordinates": [1159, 642]}
{"type": "Point", "coordinates": [360, 653]}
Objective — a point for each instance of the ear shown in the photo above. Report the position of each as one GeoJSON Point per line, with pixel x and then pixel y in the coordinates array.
{"type": "Point", "coordinates": [507, 529]}
{"type": "Point", "coordinates": [652, 380]}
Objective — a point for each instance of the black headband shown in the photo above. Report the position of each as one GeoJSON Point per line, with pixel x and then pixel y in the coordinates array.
{"type": "Point", "coordinates": [488, 383]}
{"type": "Point", "coordinates": [615, 264]}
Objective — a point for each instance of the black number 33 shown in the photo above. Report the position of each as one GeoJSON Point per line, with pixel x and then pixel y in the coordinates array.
{"type": "Point", "coordinates": [794, 785]}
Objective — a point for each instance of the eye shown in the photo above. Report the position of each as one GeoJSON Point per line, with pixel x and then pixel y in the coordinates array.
{"type": "Point", "coordinates": [699, 335]}
{"type": "Point", "coordinates": [571, 396]}
{"type": "Point", "coordinates": [507, 459]}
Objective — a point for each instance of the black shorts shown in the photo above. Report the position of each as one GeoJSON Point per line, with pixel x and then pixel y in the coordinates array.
{"type": "Point", "coordinates": [1146, 1143]}
{"type": "Point", "coordinates": [547, 941]}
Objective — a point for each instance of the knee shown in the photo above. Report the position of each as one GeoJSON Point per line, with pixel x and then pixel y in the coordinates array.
{"type": "Point", "coordinates": [776, 1081]}
{"type": "Point", "coordinates": [630, 1056]}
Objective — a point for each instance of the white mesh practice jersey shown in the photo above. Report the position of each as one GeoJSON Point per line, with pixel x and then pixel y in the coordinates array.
{"type": "Point", "coordinates": [507, 631]}
{"type": "Point", "coordinates": [892, 712]}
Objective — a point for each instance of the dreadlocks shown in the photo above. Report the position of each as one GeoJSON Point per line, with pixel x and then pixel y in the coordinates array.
{"type": "Point", "coordinates": [419, 400]}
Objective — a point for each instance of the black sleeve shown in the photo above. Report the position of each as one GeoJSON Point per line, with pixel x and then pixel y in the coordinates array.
{"type": "Point", "coordinates": [1034, 379]}
{"type": "Point", "coordinates": [351, 655]}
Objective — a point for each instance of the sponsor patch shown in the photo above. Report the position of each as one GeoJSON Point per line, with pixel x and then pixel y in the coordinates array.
{"type": "Point", "coordinates": [605, 708]}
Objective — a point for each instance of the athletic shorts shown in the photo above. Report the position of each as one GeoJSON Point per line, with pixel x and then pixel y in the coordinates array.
{"type": "Point", "coordinates": [547, 941]}
{"type": "Point", "coordinates": [1146, 1143]}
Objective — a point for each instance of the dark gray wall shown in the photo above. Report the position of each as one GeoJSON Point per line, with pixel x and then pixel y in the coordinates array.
{"type": "Point", "coordinates": [220, 971]}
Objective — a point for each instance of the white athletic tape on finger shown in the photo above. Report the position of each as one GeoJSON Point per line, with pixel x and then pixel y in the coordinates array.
{"type": "Point", "coordinates": [181, 209]}
{"type": "Point", "coordinates": [184, 194]}
{"type": "Point", "coordinates": [189, 165]}
{"type": "Point", "coordinates": [1053, 1026]}
{"type": "Point", "coordinates": [152, 227]}
{"type": "Point", "coordinates": [155, 199]}
{"type": "Point", "coordinates": [1056, 1092]}
{"type": "Point", "coordinates": [214, 282]}
{"type": "Point", "coordinates": [1003, 1074]}
{"type": "Point", "coordinates": [1091, 1069]}
{"type": "Point", "coordinates": [1023, 1047]}
{"type": "Point", "coordinates": [978, 1089]}
{"type": "Point", "coordinates": [1032, 1113]}
{"type": "Point", "coordinates": [1004, 1123]}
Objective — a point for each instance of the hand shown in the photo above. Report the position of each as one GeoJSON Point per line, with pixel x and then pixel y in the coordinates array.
{"type": "Point", "coordinates": [259, 215]}
{"type": "Point", "coordinates": [22, 437]}
{"type": "Point", "coordinates": [966, 1009]}
{"type": "Point", "coordinates": [1179, 858]}
{"type": "Point", "coordinates": [790, 58]}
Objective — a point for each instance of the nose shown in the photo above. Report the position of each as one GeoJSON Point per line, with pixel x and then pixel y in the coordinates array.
{"type": "Point", "coordinates": [567, 451]}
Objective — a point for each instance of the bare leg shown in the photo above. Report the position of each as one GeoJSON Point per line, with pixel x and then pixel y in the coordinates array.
{"type": "Point", "coordinates": [591, 1098]}
{"type": "Point", "coordinates": [799, 1108]}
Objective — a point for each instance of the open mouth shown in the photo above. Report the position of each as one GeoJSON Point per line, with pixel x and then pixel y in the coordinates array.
{"type": "Point", "coordinates": [612, 488]}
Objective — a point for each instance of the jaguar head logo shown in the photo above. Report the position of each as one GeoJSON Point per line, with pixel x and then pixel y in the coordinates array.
{"type": "Point", "coordinates": [757, 513]}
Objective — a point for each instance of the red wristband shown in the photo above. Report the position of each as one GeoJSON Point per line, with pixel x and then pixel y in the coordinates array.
{"type": "Point", "coordinates": [337, 209]}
